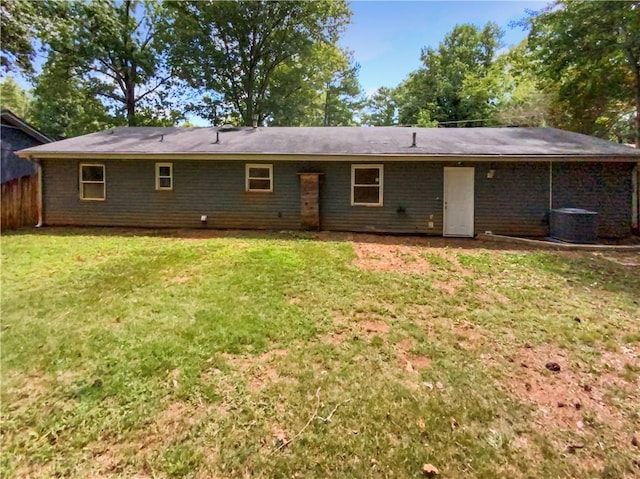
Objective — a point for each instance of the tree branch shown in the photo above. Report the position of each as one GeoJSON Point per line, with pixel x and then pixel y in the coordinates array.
{"type": "Point", "coordinates": [161, 82]}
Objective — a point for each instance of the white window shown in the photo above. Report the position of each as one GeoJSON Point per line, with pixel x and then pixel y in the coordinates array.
{"type": "Point", "coordinates": [259, 178]}
{"type": "Point", "coordinates": [92, 182]}
{"type": "Point", "coordinates": [366, 185]}
{"type": "Point", "coordinates": [164, 176]}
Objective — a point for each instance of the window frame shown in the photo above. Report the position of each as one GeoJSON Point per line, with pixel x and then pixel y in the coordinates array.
{"type": "Point", "coordinates": [82, 182]}
{"type": "Point", "coordinates": [247, 178]}
{"type": "Point", "coordinates": [158, 176]}
{"type": "Point", "coordinates": [380, 185]}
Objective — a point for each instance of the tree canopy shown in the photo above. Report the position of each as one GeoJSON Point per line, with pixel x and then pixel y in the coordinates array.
{"type": "Point", "coordinates": [158, 62]}
{"type": "Point", "coordinates": [588, 55]}
{"type": "Point", "coordinates": [114, 49]}
{"type": "Point", "coordinates": [14, 98]}
{"type": "Point", "coordinates": [234, 50]}
{"type": "Point", "coordinates": [19, 21]}
{"type": "Point", "coordinates": [446, 89]}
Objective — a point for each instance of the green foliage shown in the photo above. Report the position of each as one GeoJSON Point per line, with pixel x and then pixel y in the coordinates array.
{"type": "Point", "coordinates": [114, 50]}
{"type": "Point", "coordinates": [14, 98]}
{"type": "Point", "coordinates": [587, 55]}
{"type": "Point", "coordinates": [326, 89]}
{"type": "Point", "coordinates": [424, 120]}
{"type": "Point", "coordinates": [144, 353]}
{"type": "Point", "coordinates": [63, 106]}
{"type": "Point", "coordinates": [517, 98]}
{"type": "Point", "coordinates": [19, 20]}
{"type": "Point", "coordinates": [342, 94]}
{"type": "Point", "coordinates": [381, 108]}
{"type": "Point", "coordinates": [451, 84]}
{"type": "Point", "coordinates": [248, 55]}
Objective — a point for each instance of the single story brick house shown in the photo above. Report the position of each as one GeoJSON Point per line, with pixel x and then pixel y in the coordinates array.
{"type": "Point", "coordinates": [438, 181]}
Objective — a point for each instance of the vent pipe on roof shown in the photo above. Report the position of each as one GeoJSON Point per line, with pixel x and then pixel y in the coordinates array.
{"type": "Point", "coordinates": [161, 138]}
{"type": "Point", "coordinates": [255, 120]}
{"type": "Point", "coordinates": [217, 137]}
{"type": "Point", "coordinates": [413, 142]}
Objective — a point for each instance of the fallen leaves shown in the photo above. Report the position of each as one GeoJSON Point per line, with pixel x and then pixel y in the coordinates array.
{"type": "Point", "coordinates": [430, 470]}
{"type": "Point", "coordinates": [280, 436]}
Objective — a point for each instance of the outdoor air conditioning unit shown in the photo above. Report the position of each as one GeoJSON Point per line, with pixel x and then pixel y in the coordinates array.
{"type": "Point", "coordinates": [574, 225]}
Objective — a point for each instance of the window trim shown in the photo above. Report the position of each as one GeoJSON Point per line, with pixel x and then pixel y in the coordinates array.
{"type": "Point", "coordinates": [82, 182]}
{"type": "Point", "coordinates": [247, 178]}
{"type": "Point", "coordinates": [164, 188]}
{"type": "Point", "coordinates": [380, 184]}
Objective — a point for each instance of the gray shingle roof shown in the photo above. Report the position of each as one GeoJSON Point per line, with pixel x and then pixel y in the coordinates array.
{"type": "Point", "coordinates": [532, 142]}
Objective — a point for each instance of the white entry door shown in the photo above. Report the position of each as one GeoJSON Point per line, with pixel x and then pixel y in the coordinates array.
{"type": "Point", "coordinates": [458, 201]}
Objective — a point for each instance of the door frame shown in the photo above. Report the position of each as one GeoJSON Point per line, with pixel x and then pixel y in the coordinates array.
{"type": "Point", "coordinates": [470, 234]}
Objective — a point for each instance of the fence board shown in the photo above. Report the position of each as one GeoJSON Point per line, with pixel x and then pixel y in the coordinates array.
{"type": "Point", "coordinates": [19, 203]}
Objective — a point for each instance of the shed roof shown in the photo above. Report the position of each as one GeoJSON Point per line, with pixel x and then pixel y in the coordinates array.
{"type": "Point", "coordinates": [8, 118]}
{"type": "Point", "coordinates": [334, 141]}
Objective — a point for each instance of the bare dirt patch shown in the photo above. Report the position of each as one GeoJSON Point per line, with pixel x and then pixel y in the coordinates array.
{"type": "Point", "coordinates": [449, 287]}
{"type": "Point", "coordinates": [174, 421]}
{"type": "Point", "coordinates": [405, 345]}
{"type": "Point", "coordinates": [389, 258]}
{"type": "Point", "coordinates": [259, 371]}
{"type": "Point", "coordinates": [23, 392]}
{"type": "Point", "coordinates": [489, 295]}
{"type": "Point", "coordinates": [470, 336]}
{"type": "Point", "coordinates": [335, 338]}
{"type": "Point", "coordinates": [628, 260]}
{"type": "Point", "coordinates": [413, 363]}
{"type": "Point", "coordinates": [406, 254]}
{"type": "Point", "coordinates": [27, 393]}
{"type": "Point", "coordinates": [262, 378]}
{"type": "Point", "coordinates": [180, 279]}
{"type": "Point", "coordinates": [573, 398]}
{"type": "Point", "coordinates": [358, 324]}
{"type": "Point", "coordinates": [377, 327]}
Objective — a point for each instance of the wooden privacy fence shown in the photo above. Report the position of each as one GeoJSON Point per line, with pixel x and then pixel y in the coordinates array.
{"type": "Point", "coordinates": [19, 202]}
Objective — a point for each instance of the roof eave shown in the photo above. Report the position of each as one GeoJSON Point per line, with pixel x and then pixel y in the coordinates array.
{"type": "Point", "coordinates": [32, 155]}
{"type": "Point", "coordinates": [26, 127]}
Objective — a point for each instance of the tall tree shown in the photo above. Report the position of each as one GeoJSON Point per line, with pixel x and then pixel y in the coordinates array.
{"type": "Point", "coordinates": [589, 54]}
{"type": "Point", "coordinates": [115, 49]}
{"type": "Point", "coordinates": [320, 89]}
{"type": "Point", "coordinates": [380, 109]}
{"type": "Point", "coordinates": [15, 98]}
{"type": "Point", "coordinates": [441, 86]}
{"type": "Point", "coordinates": [510, 87]}
{"type": "Point", "coordinates": [342, 96]}
{"type": "Point", "coordinates": [63, 106]}
{"type": "Point", "coordinates": [19, 20]}
{"type": "Point", "coordinates": [233, 49]}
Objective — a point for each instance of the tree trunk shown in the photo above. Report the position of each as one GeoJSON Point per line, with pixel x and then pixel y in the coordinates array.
{"type": "Point", "coordinates": [131, 104]}
{"type": "Point", "coordinates": [634, 64]}
{"type": "Point", "coordinates": [327, 119]}
{"type": "Point", "coordinates": [637, 92]}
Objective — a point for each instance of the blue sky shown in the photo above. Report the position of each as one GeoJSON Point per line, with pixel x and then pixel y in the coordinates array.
{"type": "Point", "coordinates": [387, 36]}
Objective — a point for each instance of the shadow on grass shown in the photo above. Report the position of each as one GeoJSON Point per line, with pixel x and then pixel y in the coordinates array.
{"type": "Point", "coordinates": [329, 236]}
{"type": "Point", "coordinates": [581, 268]}
{"type": "Point", "coordinates": [595, 270]}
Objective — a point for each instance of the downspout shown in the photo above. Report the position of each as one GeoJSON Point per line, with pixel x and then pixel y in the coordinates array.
{"type": "Point", "coordinates": [550, 196]}
{"type": "Point", "coordinates": [635, 200]}
{"type": "Point", "coordinates": [39, 173]}
{"type": "Point", "coordinates": [550, 186]}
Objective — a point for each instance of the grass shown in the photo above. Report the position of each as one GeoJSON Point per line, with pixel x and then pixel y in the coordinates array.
{"type": "Point", "coordinates": [276, 356]}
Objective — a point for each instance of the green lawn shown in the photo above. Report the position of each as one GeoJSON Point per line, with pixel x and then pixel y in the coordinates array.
{"type": "Point", "coordinates": [147, 354]}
